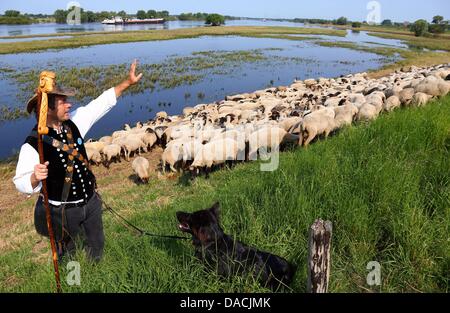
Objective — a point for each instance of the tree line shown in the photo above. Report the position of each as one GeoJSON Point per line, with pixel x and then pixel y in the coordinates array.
{"type": "Point", "coordinates": [14, 17]}
{"type": "Point", "coordinates": [420, 27]}
{"type": "Point", "coordinates": [60, 16]}
{"type": "Point", "coordinates": [89, 16]}
{"type": "Point", "coordinates": [423, 28]}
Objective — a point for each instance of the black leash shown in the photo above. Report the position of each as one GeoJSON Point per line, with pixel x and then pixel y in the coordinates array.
{"type": "Point", "coordinates": [134, 227]}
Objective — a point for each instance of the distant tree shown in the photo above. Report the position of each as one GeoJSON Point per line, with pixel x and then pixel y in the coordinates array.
{"type": "Point", "coordinates": [12, 13]}
{"type": "Point", "coordinates": [419, 28]}
{"type": "Point", "coordinates": [437, 28]}
{"type": "Point", "coordinates": [60, 16]}
{"type": "Point", "coordinates": [341, 21]}
{"type": "Point", "coordinates": [88, 17]}
{"type": "Point", "coordinates": [356, 24]}
{"type": "Point", "coordinates": [104, 15]}
{"type": "Point", "coordinates": [437, 19]}
{"type": "Point", "coordinates": [184, 16]}
{"type": "Point", "coordinates": [215, 19]}
{"type": "Point", "coordinates": [151, 14]}
{"type": "Point", "coordinates": [122, 14]}
{"type": "Point", "coordinates": [438, 25]}
{"type": "Point", "coordinates": [164, 14]}
{"type": "Point", "coordinates": [386, 23]}
{"type": "Point", "coordinates": [200, 16]}
{"type": "Point", "coordinates": [141, 14]}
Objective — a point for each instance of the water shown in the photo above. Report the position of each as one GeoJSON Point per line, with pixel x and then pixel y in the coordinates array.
{"type": "Point", "coordinates": [360, 38]}
{"type": "Point", "coordinates": [53, 28]}
{"type": "Point", "coordinates": [5, 40]}
{"type": "Point", "coordinates": [328, 62]}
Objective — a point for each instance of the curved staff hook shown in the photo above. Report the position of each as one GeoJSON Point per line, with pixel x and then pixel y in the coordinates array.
{"type": "Point", "coordinates": [46, 85]}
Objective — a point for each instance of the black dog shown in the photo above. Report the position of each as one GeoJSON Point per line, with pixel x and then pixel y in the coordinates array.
{"type": "Point", "coordinates": [231, 257]}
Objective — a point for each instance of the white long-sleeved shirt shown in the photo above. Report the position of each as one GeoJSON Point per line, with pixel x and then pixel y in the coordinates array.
{"type": "Point", "coordinates": [83, 117]}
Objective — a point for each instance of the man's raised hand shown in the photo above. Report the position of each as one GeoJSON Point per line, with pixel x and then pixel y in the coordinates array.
{"type": "Point", "coordinates": [132, 78]}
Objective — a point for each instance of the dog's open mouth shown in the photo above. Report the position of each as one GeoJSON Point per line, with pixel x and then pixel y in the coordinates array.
{"type": "Point", "coordinates": [184, 227]}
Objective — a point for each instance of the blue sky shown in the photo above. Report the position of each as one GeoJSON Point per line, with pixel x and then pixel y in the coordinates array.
{"type": "Point", "coordinates": [397, 10]}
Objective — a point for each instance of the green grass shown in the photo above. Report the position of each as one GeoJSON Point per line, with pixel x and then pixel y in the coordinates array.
{"type": "Point", "coordinates": [392, 30]}
{"type": "Point", "coordinates": [433, 43]}
{"type": "Point", "coordinates": [385, 51]}
{"type": "Point", "coordinates": [384, 185]}
{"type": "Point", "coordinates": [395, 57]}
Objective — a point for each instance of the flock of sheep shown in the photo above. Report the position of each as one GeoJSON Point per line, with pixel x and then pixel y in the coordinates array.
{"type": "Point", "coordinates": [245, 125]}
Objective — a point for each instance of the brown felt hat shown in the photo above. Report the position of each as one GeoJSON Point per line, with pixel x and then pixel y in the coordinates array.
{"type": "Point", "coordinates": [57, 90]}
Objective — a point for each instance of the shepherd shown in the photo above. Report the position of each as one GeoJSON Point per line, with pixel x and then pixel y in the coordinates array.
{"type": "Point", "coordinates": [60, 172]}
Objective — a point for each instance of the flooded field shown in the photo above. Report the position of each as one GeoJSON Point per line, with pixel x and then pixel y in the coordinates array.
{"type": "Point", "coordinates": [219, 66]}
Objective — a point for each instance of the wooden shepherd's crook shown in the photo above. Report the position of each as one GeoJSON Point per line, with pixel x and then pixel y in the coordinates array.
{"type": "Point", "coordinates": [46, 85]}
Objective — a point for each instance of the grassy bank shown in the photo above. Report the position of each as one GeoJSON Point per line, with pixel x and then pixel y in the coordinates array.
{"type": "Point", "coordinates": [432, 43]}
{"type": "Point", "coordinates": [384, 185]}
{"type": "Point", "coordinates": [409, 57]}
{"type": "Point", "coordinates": [403, 57]}
{"type": "Point", "coordinates": [392, 30]}
{"type": "Point", "coordinates": [99, 38]}
{"type": "Point", "coordinates": [412, 58]}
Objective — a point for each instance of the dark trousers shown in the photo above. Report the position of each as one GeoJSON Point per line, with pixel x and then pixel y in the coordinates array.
{"type": "Point", "coordinates": [72, 221]}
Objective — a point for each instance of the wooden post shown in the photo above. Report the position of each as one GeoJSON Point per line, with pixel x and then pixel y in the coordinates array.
{"type": "Point", "coordinates": [319, 256]}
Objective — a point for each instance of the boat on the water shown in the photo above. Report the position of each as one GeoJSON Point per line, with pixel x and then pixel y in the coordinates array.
{"type": "Point", "coordinates": [120, 21]}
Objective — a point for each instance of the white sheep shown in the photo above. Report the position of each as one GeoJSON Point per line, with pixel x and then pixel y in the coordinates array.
{"type": "Point", "coordinates": [141, 167]}
{"type": "Point", "coordinates": [287, 123]}
{"type": "Point", "coordinates": [368, 112]}
{"type": "Point", "coordinates": [111, 152]}
{"type": "Point", "coordinates": [268, 138]}
{"type": "Point", "coordinates": [188, 111]}
{"type": "Point", "coordinates": [190, 148]}
{"type": "Point", "coordinates": [356, 98]}
{"type": "Point", "coordinates": [420, 99]}
{"type": "Point", "coordinates": [106, 139]}
{"type": "Point", "coordinates": [93, 155]}
{"type": "Point", "coordinates": [344, 115]}
{"type": "Point", "coordinates": [316, 123]}
{"type": "Point", "coordinates": [119, 133]}
{"type": "Point", "coordinates": [333, 102]}
{"type": "Point", "coordinates": [97, 145]}
{"type": "Point", "coordinates": [433, 86]}
{"type": "Point", "coordinates": [129, 144]}
{"type": "Point", "coordinates": [394, 91]}
{"type": "Point", "coordinates": [406, 95]}
{"type": "Point", "coordinates": [161, 115]}
{"type": "Point", "coordinates": [239, 135]}
{"type": "Point", "coordinates": [391, 103]}
{"type": "Point", "coordinates": [172, 156]}
{"type": "Point", "coordinates": [215, 153]}
{"type": "Point", "coordinates": [205, 135]}
{"type": "Point", "coordinates": [148, 137]}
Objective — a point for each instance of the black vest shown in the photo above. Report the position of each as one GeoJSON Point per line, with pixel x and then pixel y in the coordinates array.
{"type": "Point", "coordinates": [83, 181]}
